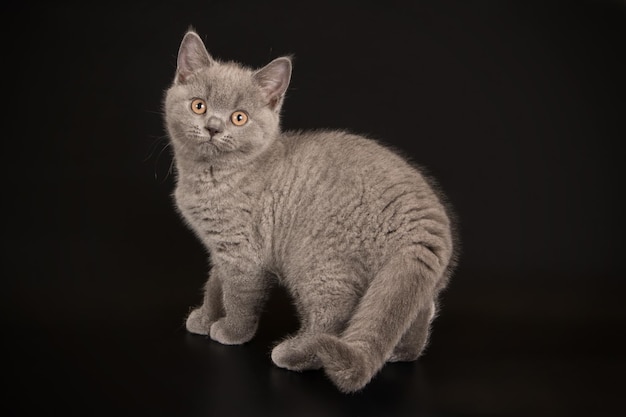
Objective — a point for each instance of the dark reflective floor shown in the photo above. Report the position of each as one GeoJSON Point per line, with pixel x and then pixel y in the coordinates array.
{"type": "Point", "coordinates": [485, 359]}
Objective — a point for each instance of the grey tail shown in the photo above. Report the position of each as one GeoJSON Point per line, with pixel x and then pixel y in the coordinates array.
{"type": "Point", "coordinates": [402, 288]}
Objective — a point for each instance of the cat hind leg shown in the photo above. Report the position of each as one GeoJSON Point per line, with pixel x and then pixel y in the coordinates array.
{"type": "Point", "coordinates": [298, 353]}
{"type": "Point", "coordinates": [386, 311]}
{"type": "Point", "coordinates": [332, 295]}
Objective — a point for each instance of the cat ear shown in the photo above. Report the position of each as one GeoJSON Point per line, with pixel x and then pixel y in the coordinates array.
{"type": "Point", "coordinates": [192, 56]}
{"type": "Point", "coordinates": [273, 79]}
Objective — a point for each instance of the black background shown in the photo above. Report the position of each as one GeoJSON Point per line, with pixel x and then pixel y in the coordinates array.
{"type": "Point", "coordinates": [516, 107]}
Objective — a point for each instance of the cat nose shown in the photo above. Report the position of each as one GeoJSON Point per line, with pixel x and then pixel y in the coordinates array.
{"type": "Point", "coordinates": [214, 126]}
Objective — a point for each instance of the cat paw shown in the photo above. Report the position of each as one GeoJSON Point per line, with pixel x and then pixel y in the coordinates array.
{"type": "Point", "coordinates": [228, 334]}
{"type": "Point", "coordinates": [348, 378]}
{"type": "Point", "coordinates": [296, 354]}
{"type": "Point", "coordinates": [198, 322]}
{"type": "Point", "coordinates": [346, 366]}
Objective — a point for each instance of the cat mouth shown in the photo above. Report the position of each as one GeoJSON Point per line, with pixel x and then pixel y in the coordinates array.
{"type": "Point", "coordinates": [200, 143]}
{"type": "Point", "coordinates": [201, 138]}
{"type": "Point", "coordinates": [206, 145]}
{"type": "Point", "coordinates": [203, 141]}
{"type": "Point", "coordinates": [209, 146]}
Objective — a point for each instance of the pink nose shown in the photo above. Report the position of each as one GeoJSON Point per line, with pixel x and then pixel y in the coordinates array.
{"type": "Point", "coordinates": [214, 125]}
{"type": "Point", "coordinates": [213, 130]}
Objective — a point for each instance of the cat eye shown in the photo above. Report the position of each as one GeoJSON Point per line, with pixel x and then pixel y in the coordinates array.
{"type": "Point", "coordinates": [198, 106]}
{"type": "Point", "coordinates": [239, 118]}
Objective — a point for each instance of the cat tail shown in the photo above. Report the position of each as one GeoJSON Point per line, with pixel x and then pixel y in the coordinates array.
{"type": "Point", "coordinates": [401, 289]}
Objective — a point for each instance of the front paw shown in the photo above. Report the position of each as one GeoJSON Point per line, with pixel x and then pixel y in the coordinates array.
{"type": "Point", "coordinates": [198, 322]}
{"type": "Point", "coordinates": [228, 333]}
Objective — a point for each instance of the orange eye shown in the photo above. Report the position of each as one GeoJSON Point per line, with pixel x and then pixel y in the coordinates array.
{"type": "Point", "coordinates": [239, 118]}
{"type": "Point", "coordinates": [198, 106]}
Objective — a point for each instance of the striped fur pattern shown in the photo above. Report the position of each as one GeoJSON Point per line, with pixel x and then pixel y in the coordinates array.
{"type": "Point", "coordinates": [360, 238]}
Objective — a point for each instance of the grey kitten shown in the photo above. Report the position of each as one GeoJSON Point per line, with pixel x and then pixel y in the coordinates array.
{"type": "Point", "coordinates": [357, 235]}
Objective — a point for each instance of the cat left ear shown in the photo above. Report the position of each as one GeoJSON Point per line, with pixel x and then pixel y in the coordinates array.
{"type": "Point", "coordinates": [192, 56]}
{"type": "Point", "coordinates": [273, 79]}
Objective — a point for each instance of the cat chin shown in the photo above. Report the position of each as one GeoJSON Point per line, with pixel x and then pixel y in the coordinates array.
{"type": "Point", "coordinates": [208, 148]}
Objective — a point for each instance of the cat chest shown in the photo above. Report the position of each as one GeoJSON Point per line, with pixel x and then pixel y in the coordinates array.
{"type": "Point", "coordinates": [225, 226]}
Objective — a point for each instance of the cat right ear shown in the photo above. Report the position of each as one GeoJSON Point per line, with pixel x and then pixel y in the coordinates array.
{"type": "Point", "coordinates": [192, 56]}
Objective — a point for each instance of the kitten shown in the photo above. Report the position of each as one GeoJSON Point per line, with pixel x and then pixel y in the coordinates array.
{"type": "Point", "coordinates": [357, 235]}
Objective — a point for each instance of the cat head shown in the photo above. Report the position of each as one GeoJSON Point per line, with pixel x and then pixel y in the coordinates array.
{"type": "Point", "coordinates": [222, 112]}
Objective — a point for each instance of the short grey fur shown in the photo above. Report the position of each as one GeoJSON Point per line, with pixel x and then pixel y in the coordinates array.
{"type": "Point", "coordinates": [361, 238]}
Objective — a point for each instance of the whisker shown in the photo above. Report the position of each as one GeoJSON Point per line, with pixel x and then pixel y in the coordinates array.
{"type": "Point", "coordinates": [169, 171]}
{"type": "Point", "coordinates": [153, 146]}
{"type": "Point", "coordinates": [156, 162]}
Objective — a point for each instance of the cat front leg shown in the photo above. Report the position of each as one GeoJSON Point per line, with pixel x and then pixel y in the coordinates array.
{"type": "Point", "coordinates": [244, 292]}
{"type": "Point", "coordinates": [201, 318]}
